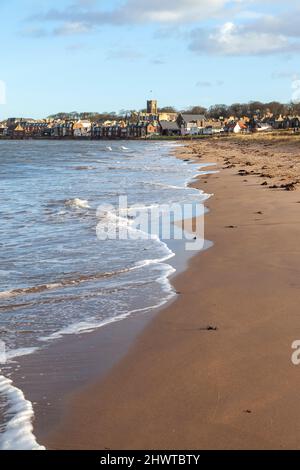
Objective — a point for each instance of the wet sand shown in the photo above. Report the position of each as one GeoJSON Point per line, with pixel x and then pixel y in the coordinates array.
{"type": "Point", "coordinates": [213, 370]}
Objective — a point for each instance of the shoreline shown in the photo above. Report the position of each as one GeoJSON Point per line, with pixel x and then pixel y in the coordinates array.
{"type": "Point", "coordinates": [282, 134]}
{"type": "Point", "coordinates": [50, 375]}
{"type": "Point", "coordinates": [213, 369]}
{"type": "Point", "coordinates": [147, 138]}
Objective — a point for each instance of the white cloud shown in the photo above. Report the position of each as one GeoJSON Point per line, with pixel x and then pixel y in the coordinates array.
{"type": "Point", "coordinates": [284, 22]}
{"type": "Point", "coordinates": [141, 11]}
{"type": "Point", "coordinates": [236, 40]}
{"type": "Point", "coordinates": [254, 28]}
{"type": "Point", "coordinates": [173, 11]}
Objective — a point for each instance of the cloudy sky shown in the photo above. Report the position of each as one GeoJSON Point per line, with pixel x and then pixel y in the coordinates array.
{"type": "Point", "coordinates": [100, 55]}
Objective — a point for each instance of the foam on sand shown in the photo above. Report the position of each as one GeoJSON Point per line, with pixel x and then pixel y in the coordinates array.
{"type": "Point", "coordinates": [17, 431]}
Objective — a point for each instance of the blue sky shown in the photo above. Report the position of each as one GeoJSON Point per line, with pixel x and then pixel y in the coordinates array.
{"type": "Point", "coordinates": [99, 55]}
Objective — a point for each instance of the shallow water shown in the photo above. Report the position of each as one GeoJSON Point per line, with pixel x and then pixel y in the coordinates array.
{"type": "Point", "coordinates": [56, 276]}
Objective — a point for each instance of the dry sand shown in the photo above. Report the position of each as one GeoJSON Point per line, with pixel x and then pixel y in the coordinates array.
{"type": "Point", "coordinates": [213, 370]}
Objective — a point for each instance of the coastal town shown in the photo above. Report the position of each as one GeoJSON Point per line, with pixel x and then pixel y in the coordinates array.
{"type": "Point", "coordinates": [150, 227]}
{"type": "Point", "coordinates": [154, 122]}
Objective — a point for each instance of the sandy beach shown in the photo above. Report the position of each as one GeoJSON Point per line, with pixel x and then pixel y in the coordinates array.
{"type": "Point", "coordinates": [213, 370]}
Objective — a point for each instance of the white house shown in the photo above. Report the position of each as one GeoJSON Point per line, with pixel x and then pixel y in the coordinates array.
{"type": "Point", "coordinates": [240, 127]}
{"type": "Point", "coordinates": [191, 124]}
{"type": "Point", "coordinates": [82, 128]}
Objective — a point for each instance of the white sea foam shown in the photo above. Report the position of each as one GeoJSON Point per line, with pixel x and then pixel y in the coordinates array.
{"type": "Point", "coordinates": [140, 208]}
{"type": "Point", "coordinates": [163, 185]}
{"type": "Point", "coordinates": [87, 327]}
{"type": "Point", "coordinates": [113, 225]}
{"type": "Point", "coordinates": [91, 325]}
{"type": "Point", "coordinates": [78, 203]}
{"type": "Point", "coordinates": [82, 327]}
{"type": "Point", "coordinates": [17, 432]}
{"type": "Point", "coordinates": [169, 254]}
{"type": "Point", "coordinates": [13, 353]}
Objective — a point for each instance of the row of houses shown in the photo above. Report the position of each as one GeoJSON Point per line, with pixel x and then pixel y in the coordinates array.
{"type": "Point", "coordinates": [140, 126]}
{"type": "Point", "coordinates": [282, 122]}
{"type": "Point", "coordinates": [143, 125]}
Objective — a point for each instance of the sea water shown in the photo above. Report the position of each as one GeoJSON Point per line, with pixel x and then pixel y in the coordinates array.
{"type": "Point", "coordinates": [56, 276]}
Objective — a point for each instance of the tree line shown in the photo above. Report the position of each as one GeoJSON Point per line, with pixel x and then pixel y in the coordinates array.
{"type": "Point", "coordinates": [251, 109]}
